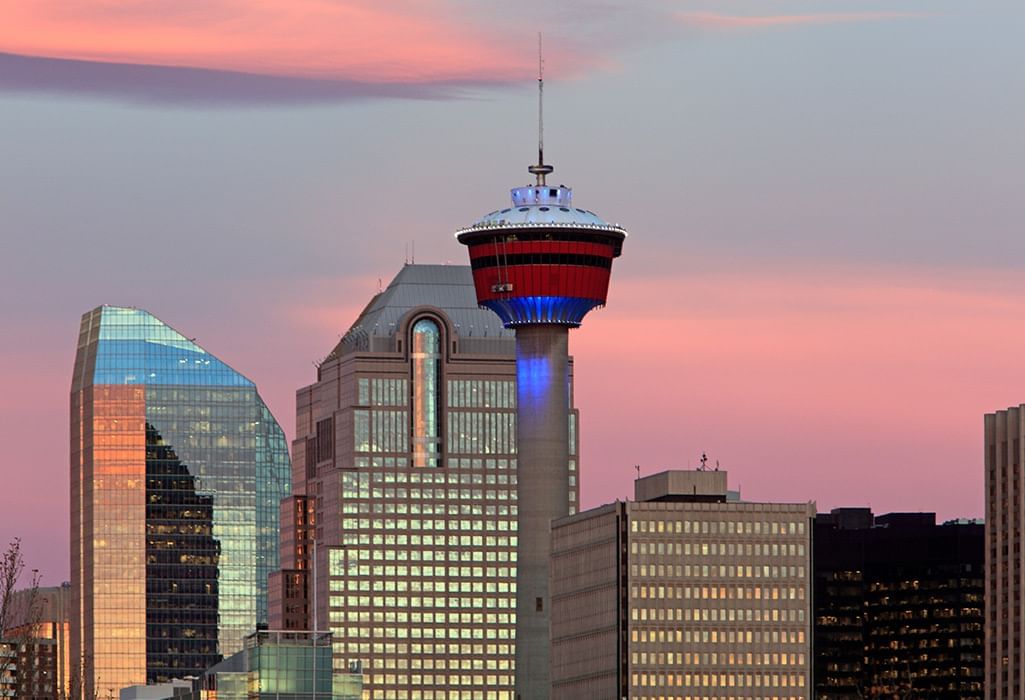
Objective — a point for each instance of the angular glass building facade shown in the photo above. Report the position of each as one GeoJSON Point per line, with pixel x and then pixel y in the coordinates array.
{"type": "Point", "coordinates": [177, 470]}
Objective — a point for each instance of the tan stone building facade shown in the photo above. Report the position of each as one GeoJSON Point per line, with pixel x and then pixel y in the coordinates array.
{"type": "Point", "coordinates": [1005, 551]}
{"type": "Point", "coordinates": [682, 595]}
{"type": "Point", "coordinates": [405, 475]}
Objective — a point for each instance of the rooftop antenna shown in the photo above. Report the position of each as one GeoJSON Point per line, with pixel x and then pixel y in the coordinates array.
{"type": "Point", "coordinates": [638, 468]}
{"type": "Point", "coordinates": [540, 170]}
{"type": "Point", "coordinates": [704, 463]}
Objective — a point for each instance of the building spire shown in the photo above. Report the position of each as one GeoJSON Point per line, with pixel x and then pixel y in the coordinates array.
{"type": "Point", "coordinates": [540, 170]}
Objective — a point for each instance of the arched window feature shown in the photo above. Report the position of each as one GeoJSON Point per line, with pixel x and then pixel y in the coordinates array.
{"type": "Point", "coordinates": [425, 351]}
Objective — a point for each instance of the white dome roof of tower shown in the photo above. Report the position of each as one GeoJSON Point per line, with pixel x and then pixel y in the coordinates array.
{"type": "Point", "coordinates": [536, 205]}
{"type": "Point", "coordinates": [537, 214]}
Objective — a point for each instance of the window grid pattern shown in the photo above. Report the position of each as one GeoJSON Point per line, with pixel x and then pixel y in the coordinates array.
{"type": "Point", "coordinates": [422, 595]}
{"type": "Point", "coordinates": [718, 605]}
{"type": "Point", "coordinates": [421, 583]}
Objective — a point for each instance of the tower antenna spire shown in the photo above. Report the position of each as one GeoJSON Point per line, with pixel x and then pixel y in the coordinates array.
{"type": "Point", "coordinates": [540, 170]}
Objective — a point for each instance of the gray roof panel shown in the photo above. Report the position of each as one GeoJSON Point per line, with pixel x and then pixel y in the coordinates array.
{"type": "Point", "coordinates": [447, 287]}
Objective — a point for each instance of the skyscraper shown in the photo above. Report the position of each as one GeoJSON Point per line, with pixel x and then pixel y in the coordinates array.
{"type": "Point", "coordinates": [405, 505]}
{"type": "Point", "coordinates": [1005, 551]}
{"type": "Point", "coordinates": [682, 594]}
{"type": "Point", "coordinates": [541, 265]}
{"type": "Point", "coordinates": [177, 470]}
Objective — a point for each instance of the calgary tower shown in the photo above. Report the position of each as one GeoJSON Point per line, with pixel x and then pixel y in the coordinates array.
{"type": "Point", "coordinates": [541, 264]}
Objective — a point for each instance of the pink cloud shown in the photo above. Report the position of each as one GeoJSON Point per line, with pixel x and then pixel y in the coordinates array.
{"type": "Point", "coordinates": [401, 41]}
{"type": "Point", "coordinates": [716, 21]}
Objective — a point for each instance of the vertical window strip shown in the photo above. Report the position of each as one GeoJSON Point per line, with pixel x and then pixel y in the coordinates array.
{"type": "Point", "coordinates": [426, 374]}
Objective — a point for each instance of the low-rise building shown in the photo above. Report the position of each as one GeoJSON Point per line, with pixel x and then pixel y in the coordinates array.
{"type": "Point", "coordinates": [28, 669]}
{"type": "Point", "coordinates": [682, 593]}
{"type": "Point", "coordinates": [279, 665]}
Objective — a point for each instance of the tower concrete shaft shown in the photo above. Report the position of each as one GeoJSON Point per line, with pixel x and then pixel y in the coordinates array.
{"type": "Point", "coordinates": [542, 431]}
{"type": "Point", "coordinates": [541, 264]}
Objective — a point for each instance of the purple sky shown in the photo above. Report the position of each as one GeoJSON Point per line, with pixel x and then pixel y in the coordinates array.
{"type": "Point", "coordinates": [822, 285]}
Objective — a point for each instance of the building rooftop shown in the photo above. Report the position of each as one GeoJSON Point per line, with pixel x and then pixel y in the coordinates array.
{"type": "Point", "coordinates": [541, 206]}
{"type": "Point", "coordinates": [446, 287]}
{"type": "Point", "coordinates": [682, 485]}
{"type": "Point", "coordinates": [132, 346]}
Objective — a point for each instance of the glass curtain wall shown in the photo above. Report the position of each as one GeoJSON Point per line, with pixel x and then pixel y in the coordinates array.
{"type": "Point", "coordinates": [203, 468]}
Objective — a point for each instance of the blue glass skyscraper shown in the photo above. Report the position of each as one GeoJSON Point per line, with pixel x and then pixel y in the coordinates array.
{"type": "Point", "coordinates": [177, 469]}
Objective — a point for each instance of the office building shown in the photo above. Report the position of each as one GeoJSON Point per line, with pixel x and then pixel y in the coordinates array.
{"type": "Point", "coordinates": [273, 665]}
{"type": "Point", "coordinates": [405, 481]}
{"type": "Point", "coordinates": [41, 614]}
{"type": "Point", "coordinates": [898, 606]}
{"type": "Point", "coordinates": [28, 669]}
{"type": "Point", "coordinates": [541, 264]}
{"type": "Point", "coordinates": [177, 472]}
{"type": "Point", "coordinates": [1005, 550]}
{"type": "Point", "coordinates": [278, 665]}
{"type": "Point", "coordinates": [682, 595]}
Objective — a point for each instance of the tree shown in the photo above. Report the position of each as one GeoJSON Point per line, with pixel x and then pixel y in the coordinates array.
{"type": "Point", "coordinates": [16, 610]}
{"type": "Point", "coordinates": [19, 610]}
{"type": "Point", "coordinates": [20, 615]}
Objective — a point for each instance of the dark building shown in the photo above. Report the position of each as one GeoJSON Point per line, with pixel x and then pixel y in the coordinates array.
{"type": "Point", "coordinates": [898, 606]}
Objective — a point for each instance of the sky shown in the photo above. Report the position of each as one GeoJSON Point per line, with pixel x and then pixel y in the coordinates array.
{"type": "Point", "coordinates": [821, 288]}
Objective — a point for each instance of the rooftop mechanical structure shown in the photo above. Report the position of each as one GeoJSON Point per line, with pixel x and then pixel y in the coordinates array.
{"type": "Point", "coordinates": [541, 264]}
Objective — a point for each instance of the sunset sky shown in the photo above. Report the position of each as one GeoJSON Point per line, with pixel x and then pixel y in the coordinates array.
{"type": "Point", "coordinates": [822, 288]}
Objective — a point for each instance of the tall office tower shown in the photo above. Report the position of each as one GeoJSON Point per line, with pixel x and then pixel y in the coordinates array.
{"type": "Point", "coordinates": [177, 470]}
{"type": "Point", "coordinates": [682, 594]}
{"type": "Point", "coordinates": [406, 458]}
{"type": "Point", "coordinates": [898, 606]}
{"type": "Point", "coordinates": [541, 264]}
{"type": "Point", "coordinates": [1005, 551]}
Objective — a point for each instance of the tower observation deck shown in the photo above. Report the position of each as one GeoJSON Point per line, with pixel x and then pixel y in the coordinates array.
{"type": "Point", "coordinates": [541, 264]}
{"type": "Point", "coordinates": [542, 260]}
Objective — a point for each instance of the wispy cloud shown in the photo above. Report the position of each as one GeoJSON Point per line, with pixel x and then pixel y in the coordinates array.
{"type": "Point", "coordinates": [241, 51]}
{"type": "Point", "coordinates": [398, 41]}
{"type": "Point", "coordinates": [717, 21]}
{"type": "Point", "coordinates": [200, 86]}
